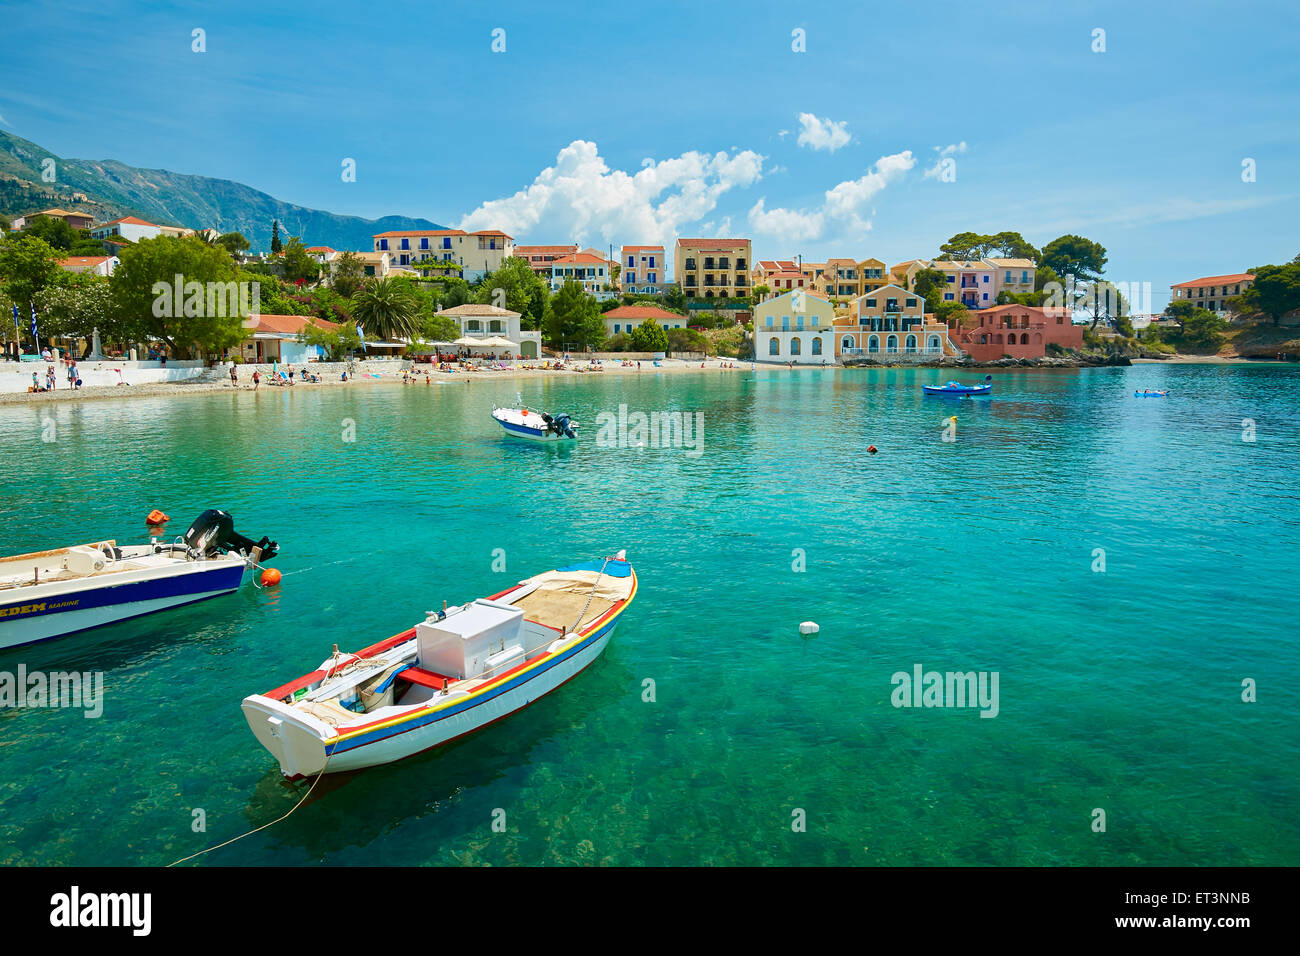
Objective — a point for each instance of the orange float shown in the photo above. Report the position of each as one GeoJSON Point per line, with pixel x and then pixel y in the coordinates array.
{"type": "Point", "coordinates": [157, 517]}
{"type": "Point", "coordinates": [270, 577]}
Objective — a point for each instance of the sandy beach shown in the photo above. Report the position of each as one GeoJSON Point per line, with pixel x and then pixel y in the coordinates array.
{"type": "Point", "coordinates": [669, 366]}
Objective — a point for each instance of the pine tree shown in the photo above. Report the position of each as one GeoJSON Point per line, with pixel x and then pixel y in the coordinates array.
{"type": "Point", "coordinates": [276, 245]}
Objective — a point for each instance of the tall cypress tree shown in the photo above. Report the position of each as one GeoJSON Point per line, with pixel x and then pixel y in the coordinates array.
{"type": "Point", "coordinates": [276, 244]}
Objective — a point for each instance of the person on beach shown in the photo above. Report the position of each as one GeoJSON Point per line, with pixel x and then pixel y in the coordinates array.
{"type": "Point", "coordinates": [72, 375]}
{"type": "Point", "coordinates": [234, 376]}
{"type": "Point", "coordinates": [256, 379]}
{"type": "Point", "coordinates": [49, 378]}
{"type": "Point", "coordinates": [45, 354]}
{"type": "Point", "coordinates": [36, 384]}
{"type": "Point", "coordinates": [290, 374]}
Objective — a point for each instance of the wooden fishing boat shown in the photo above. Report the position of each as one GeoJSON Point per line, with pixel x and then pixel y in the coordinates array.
{"type": "Point", "coordinates": [523, 422]}
{"type": "Point", "coordinates": [455, 672]}
{"type": "Point", "coordinates": [46, 594]}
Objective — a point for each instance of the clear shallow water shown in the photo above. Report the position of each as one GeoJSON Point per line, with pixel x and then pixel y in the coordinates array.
{"type": "Point", "coordinates": [1119, 690]}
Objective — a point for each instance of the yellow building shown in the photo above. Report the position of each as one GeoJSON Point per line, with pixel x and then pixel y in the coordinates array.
{"type": "Point", "coordinates": [712, 268]}
{"type": "Point", "coordinates": [889, 324]}
{"type": "Point", "coordinates": [796, 326]}
{"type": "Point", "coordinates": [477, 253]}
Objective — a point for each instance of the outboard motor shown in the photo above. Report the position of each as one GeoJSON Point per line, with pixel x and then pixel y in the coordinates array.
{"type": "Point", "coordinates": [214, 532]}
{"type": "Point", "coordinates": [563, 425]}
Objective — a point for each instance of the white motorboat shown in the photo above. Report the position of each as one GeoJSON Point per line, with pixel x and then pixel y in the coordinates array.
{"type": "Point", "coordinates": [523, 422]}
{"type": "Point", "coordinates": [461, 669]}
{"type": "Point", "coordinates": [47, 594]}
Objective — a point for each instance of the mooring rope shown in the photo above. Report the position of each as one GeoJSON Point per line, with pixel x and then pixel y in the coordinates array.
{"type": "Point", "coordinates": [264, 825]}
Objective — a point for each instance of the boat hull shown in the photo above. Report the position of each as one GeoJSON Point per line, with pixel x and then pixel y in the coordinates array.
{"type": "Point", "coordinates": [49, 611]}
{"type": "Point", "coordinates": [304, 747]}
{"type": "Point", "coordinates": [957, 392]}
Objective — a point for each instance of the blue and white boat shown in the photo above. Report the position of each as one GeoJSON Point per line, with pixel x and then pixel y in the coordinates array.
{"type": "Point", "coordinates": [46, 594]}
{"type": "Point", "coordinates": [453, 673]}
{"type": "Point", "coordinates": [961, 389]}
{"type": "Point", "coordinates": [524, 422]}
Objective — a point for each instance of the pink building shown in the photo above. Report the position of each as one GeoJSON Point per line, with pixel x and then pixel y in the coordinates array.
{"type": "Point", "coordinates": [1018, 331]}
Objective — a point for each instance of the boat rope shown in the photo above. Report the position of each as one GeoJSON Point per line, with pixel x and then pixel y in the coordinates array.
{"type": "Point", "coordinates": [264, 825]}
{"type": "Point", "coordinates": [591, 595]}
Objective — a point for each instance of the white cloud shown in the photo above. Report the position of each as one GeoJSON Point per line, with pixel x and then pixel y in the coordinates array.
{"type": "Point", "coordinates": [782, 134]}
{"type": "Point", "coordinates": [845, 206]}
{"type": "Point", "coordinates": [952, 149]}
{"type": "Point", "coordinates": [581, 198]}
{"type": "Point", "coordinates": [822, 133]}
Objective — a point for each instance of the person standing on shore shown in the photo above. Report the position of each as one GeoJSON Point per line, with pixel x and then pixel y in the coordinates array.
{"type": "Point", "coordinates": [257, 379]}
{"type": "Point", "coordinates": [234, 376]}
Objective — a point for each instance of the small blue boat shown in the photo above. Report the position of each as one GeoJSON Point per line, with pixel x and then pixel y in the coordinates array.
{"type": "Point", "coordinates": [960, 388]}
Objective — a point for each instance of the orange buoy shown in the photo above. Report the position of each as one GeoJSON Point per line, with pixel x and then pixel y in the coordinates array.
{"type": "Point", "coordinates": [872, 449]}
{"type": "Point", "coordinates": [270, 577]}
{"type": "Point", "coordinates": [156, 517]}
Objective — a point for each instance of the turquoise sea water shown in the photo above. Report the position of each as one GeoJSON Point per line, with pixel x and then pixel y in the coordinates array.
{"type": "Point", "coordinates": [1119, 690]}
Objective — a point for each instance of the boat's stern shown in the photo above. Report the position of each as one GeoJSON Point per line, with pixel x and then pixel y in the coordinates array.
{"type": "Point", "coordinates": [295, 739]}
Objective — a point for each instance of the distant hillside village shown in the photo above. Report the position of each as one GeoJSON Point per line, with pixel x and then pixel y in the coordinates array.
{"type": "Point", "coordinates": [438, 292]}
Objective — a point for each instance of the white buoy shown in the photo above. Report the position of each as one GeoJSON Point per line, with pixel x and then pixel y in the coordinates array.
{"type": "Point", "coordinates": [808, 627]}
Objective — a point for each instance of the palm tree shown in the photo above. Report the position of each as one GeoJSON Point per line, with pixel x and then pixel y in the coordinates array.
{"type": "Point", "coordinates": [387, 309]}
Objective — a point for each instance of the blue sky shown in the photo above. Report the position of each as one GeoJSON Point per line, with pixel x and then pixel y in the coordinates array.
{"type": "Point", "coordinates": [1139, 147]}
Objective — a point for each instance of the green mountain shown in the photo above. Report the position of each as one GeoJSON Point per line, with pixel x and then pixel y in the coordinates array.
{"type": "Point", "coordinates": [108, 189]}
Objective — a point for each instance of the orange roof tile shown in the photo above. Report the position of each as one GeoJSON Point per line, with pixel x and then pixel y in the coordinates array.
{"type": "Point", "coordinates": [1215, 280]}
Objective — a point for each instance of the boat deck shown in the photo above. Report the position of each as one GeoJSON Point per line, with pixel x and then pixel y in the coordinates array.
{"type": "Point", "coordinates": [560, 609]}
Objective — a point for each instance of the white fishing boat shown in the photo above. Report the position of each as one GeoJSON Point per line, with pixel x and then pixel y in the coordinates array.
{"type": "Point", "coordinates": [523, 422]}
{"type": "Point", "coordinates": [461, 669]}
{"type": "Point", "coordinates": [47, 594]}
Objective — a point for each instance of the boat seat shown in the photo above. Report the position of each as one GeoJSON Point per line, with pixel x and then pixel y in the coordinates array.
{"type": "Point", "coordinates": [418, 675]}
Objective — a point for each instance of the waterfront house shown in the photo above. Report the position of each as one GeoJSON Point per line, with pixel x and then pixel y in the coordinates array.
{"type": "Point", "coordinates": [796, 326]}
{"type": "Point", "coordinates": [712, 268]}
{"type": "Point", "coordinates": [134, 229]}
{"type": "Point", "coordinates": [625, 318]}
{"type": "Point", "coordinates": [1017, 331]}
{"type": "Point", "coordinates": [323, 254]}
{"type": "Point", "coordinates": [889, 324]}
{"type": "Point", "coordinates": [77, 220]}
{"type": "Point", "coordinates": [539, 258]}
{"type": "Point", "coordinates": [96, 265]}
{"type": "Point", "coordinates": [969, 281]}
{"type": "Point", "coordinates": [477, 253]}
{"type": "Point", "coordinates": [375, 264]}
{"type": "Point", "coordinates": [274, 338]}
{"type": "Point", "coordinates": [589, 271]}
{"type": "Point", "coordinates": [1212, 292]}
{"type": "Point", "coordinates": [779, 275]}
{"type": "Point", "coordinates": [481, 321]}
{"type": "Point", "coordinates": [643, 269]}
{"type": "Point", "coordinates": [1013, 276]}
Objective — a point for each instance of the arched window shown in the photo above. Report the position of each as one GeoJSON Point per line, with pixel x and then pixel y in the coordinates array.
{"type": "Point", "coordinates": [934, 343]}
{"type": "Point", "coordinates": [1024, 338]}
{"type": "Point", "coordinates": [846, 343]}
{"type": "Point", "coordinates": [774, 346]}
{"type": "Point", "coordinates": [911, 343]}
{"type": "Point", "coordinates": [496, 325]}
{"type": "Point", "coordinates": [795, 346]}
{"type": "Point", "coordinates": [817, 347]}
{"type": "Point", "coordinates": [891, 344]}
{"type": "Point", "coordinates": [473, 325]}
{"type": "Point", "coordinates": [708, 293]}
{"type": "Point", "coordinates": [873, 344]}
